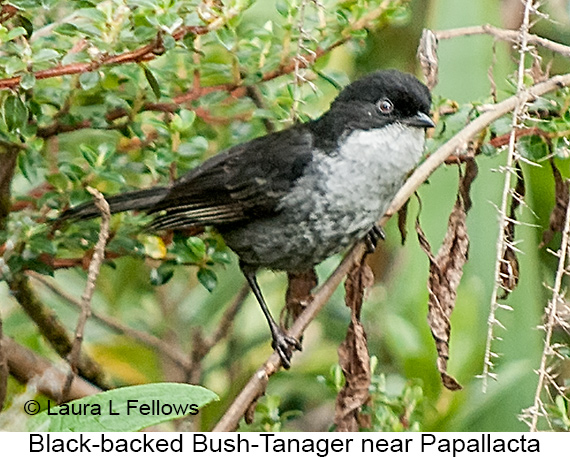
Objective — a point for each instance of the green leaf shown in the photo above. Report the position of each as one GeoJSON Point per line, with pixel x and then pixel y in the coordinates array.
{"type": "Point", "coordinates": [26, 24]}
{"type": "Point", "coordinates": [14, 65]}
{"type": "Point", "coordinates": [16, 32]}
{"type": "Point", "coordinates": [126, 409]}
{"type": "Point", "coordinates": [561, 406]}
{"type": "Point", "coordinates": [27, 81]}
{"type": "Point", "coordinates": [182, 122]}
{"type": "Point", "coordinates": [197, 246]}
{"type": "Point", "coordinates": [207, 278]}
{"type": "Point", "coordinates": [26, 166]}
{"type": "Point", "coordinates": [89, 80]}
{"type": "Point", "coordinates": [15, 112]}
{"type": "Point", "coordinates": [161, 275]}
{"type": "Point", "coordinates": [152, 81]}
{"type": "Point", "coordinates": [67, 29]}
{"type": "Point", "coordinates": [168, 42]}
{"type": "Point", "coordinates": [40, 243]}
{"type": "Point", "coordinates": [89, 154]}
{"type": "Point", "coordinates": [46, 54]}
{"type": "Point", "coordinates": [195, 146]}
{"type": "Point", "coordinates": [58, 181]}
{"type": "Point", "coordinates": [72, 171]}
{"type": "Point", "coordinates": [533, 147]}
{"type": "Point", "coordinates": [282, 7]}
{"type": "Point", "coordinates": [226, 37]}
{"type": "Point", "coordinates": [221, 257]}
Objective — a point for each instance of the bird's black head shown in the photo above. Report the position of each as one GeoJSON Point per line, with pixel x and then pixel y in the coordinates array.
{"type": "Point", "coordinates": [377, 100]}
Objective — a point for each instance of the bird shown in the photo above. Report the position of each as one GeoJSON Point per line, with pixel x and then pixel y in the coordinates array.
{"type": "Point", "coordinates": [290, 199]}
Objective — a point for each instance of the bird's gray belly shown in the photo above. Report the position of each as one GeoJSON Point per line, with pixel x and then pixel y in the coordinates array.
{"type": "Point", "coordinates": [294, 243]}
{"type": "Point", "coordinates": [334, 204]}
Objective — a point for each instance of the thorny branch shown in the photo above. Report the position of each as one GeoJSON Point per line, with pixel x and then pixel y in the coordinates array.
{"type": "Point", "coordinates": [504, 35]}
{"type": "Point", "coordinates": [552, 311]}
{"type": "Point", "coordinates": [508, 169]}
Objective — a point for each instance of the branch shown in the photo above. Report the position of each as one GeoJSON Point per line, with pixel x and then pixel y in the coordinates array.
{"type": "Point", "coordinates": [227, 320]}
{"type": "Point", "coordinates": [26, 366]}
{"type": "Point", "coordinates": [8, 158]}
{"type": "Point", "coordinates": [257, 383]}
{"type": "Point", "coordinates": [202, 346]}
{"type": "Point", "coordinates": [144, 53]}
{"type": "Point", "coordinates": [504, 35]}
{"type": "Point", "coordinates": [7, 12]}
{"type": "Point", "coordinates": [93, 273]}
{"type": "Point", "coordinates": [552, 312]}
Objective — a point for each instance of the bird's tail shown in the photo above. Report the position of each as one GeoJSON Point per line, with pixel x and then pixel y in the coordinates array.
{"type": "Point", "coordinates": [139, 200]}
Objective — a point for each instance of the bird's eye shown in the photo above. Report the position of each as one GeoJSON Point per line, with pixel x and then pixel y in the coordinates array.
{"type": "Point", "coordinates": [385, 106]}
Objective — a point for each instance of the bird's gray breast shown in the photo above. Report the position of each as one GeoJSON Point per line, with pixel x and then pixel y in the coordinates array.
{"type": "Point", "coordinates": [336, 201]}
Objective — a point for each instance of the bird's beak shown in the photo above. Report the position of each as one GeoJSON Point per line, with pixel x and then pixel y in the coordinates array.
{"type": "Point", "coordinates": [421, 120]}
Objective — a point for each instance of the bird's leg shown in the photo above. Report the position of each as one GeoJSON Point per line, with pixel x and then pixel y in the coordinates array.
{"type": "Point", "coordinates": [375, 234]}
{"type": "Point", "coordinates": [282, 342]}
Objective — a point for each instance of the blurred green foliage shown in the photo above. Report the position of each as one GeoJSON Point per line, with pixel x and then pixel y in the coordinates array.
{"type": "Point", "coordinates": [140, 122]}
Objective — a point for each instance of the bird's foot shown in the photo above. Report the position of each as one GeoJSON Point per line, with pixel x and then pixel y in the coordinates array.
{"type": "Point", "coordinates": [375, 234]}
{"type": "Point", "coordinates": [284, 345]}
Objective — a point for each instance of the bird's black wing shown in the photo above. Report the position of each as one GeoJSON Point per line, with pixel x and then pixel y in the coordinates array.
{"type": "Point", "coordinates": [244, 182]}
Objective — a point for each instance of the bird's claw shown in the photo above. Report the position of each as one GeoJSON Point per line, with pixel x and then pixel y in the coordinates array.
{"type": "Point", "coordinates": [284, 345]}
{"type": "Point", "coordinates": [375, 234]}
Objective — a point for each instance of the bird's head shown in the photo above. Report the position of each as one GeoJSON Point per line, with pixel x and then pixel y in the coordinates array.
{"type": "Point", "coordinates": [377, 100]}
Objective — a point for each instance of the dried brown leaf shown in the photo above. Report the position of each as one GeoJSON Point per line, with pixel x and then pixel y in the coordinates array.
{"type": "Point", "coordinates": [353, 354]}
{"type": "Point", "coordinates": [509, 268]}
{"type": "Point", "coordinates": [298, 294]}
{"type": "Point", "coordinates": [509, 272]}
{"type": "Point", "coordinates": [446, 270]}
{"type": "Point", "coordinates": [558, 214]}
{"type": "Point", "coordinates": [402, 219]}
{"type": "Point", "coordinates": [427, 55]}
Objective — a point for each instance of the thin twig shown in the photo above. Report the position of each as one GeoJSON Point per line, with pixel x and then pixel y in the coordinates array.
{"type": "Point", "coordinates": [256, 385]}
{"type": "Point", "coordinates": [255, 95]}
{"type": "Point", "coordinates": [202, 346]}
{"type": "Point", "coordinates": [504, 35]}
{"type": "Point", "coordinates": [93, 273]}
{"type": "Point", "coordinates": [7, 12]}
{"type": "Point", "coordinates": [225, 324]}
{"type": "Point", "coordinates": [509, 171]}
{"type": "Point", "coordinates": [300, 59]}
